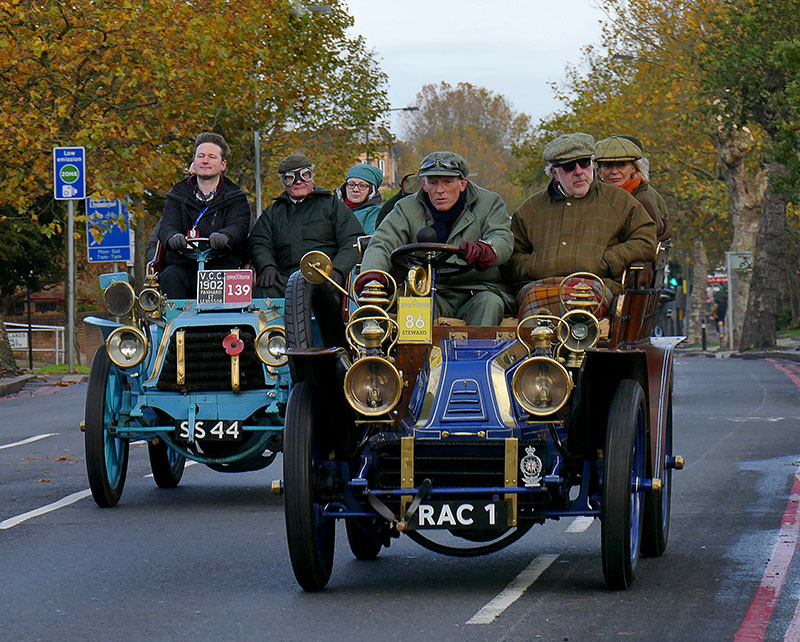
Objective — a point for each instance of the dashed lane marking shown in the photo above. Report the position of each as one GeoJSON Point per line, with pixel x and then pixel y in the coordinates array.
{"type": "Point", "coordinates": [61, 503]}
{"type": "Point", "coordinates": [29, 440]}
{"type": "Point", "coordinates": [513, 591]}
{"type": "Point", "coordinates": [580, 524]}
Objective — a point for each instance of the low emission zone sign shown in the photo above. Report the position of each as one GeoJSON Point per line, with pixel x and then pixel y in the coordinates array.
{"type": "Point", "coordinates": [69, 172]}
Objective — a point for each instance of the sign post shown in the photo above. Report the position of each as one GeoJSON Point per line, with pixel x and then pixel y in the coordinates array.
{"type": "Point", "coordinates": [69, 172]}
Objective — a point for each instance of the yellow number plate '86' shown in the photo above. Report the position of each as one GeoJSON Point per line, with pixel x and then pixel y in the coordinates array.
{"type": "Point", "coordinates": [414, 316]}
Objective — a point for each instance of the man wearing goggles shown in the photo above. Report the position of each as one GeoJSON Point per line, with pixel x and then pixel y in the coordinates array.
{"type": "Point", "coordinates": [456, 212]}
{"type": "Point", "coordinates": [302, 218]}
{"type": "Point", "coordinates": [576, 224]}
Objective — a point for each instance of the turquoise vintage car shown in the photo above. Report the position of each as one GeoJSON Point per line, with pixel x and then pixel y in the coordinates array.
{"type": "Point", "coordinates": [203, 379]}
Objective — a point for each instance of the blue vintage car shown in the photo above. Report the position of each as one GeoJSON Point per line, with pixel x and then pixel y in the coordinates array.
{"type": "Point", "coordinates": [463, 438]}
{"type": "Point", "coordinates": [203, 379]}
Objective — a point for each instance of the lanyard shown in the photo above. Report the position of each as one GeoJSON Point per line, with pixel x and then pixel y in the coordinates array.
{"type": "Point", "coordinates": [199, 216]}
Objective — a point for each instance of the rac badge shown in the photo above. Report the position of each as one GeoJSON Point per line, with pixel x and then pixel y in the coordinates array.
{"type": "Point", "coordinates": [531, 468]}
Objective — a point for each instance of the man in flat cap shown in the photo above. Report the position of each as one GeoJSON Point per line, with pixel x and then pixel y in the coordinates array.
{"type": "Point", "coordinates": [576, 224]}
{"type": "Point", "coordinates": [456, 212]}
{"type": "Point", "coordinates": [302, 218]}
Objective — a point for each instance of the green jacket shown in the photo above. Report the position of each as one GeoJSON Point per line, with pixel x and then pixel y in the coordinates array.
{"type": "Point", "coordinates": [367, 212]}
{"type": "Point", "coordinates": [603, 232]}
{"type": "Point", "coordinates": [484, 218]}
{"type": "Point", "coordinates": [285, 232]}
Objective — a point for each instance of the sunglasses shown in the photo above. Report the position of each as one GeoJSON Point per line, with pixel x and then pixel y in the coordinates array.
{"type": "Point", "coordinates": [361, 187]}
{"type": "Point", "coordinates": [441, 163]}
{"type": "Point", "coordinates": [303, 175]}
{"type": "Point", "coordinates": [570, 166]}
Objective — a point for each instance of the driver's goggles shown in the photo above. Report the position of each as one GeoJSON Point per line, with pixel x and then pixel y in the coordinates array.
{"type": "Point", "coordinates": [570, 166]}
{"type": "Point", "coordinates": [443, 163]}
{"type": "Point", "coordinates": [304, 175]}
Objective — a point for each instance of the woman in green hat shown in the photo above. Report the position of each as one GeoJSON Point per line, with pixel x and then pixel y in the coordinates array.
{"type": "Point", "coordinates": [360, 192]}
{"type": "Point", "coordinates": [620, 162]}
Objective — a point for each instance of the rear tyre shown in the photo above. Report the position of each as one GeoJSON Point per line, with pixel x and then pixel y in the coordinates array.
{"type": "Point", "coordinates": [365, 542]}
{"type": "Point", "coordinates": [106, 454]}
{"type": "Point", "coordinates": [657, 506]}
{"type": "Point", "coordinates": [621, 511]}
{"type": "Point", "coordinates": [311, 538]}
{"type": "Point", "coordinates": [167, 464]}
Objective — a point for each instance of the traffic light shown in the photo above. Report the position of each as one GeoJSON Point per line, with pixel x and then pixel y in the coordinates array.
{"type": "Point", "coordinates": [673, 274]}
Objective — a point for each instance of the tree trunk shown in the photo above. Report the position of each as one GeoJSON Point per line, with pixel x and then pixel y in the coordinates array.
{"type": "Point", "coordinates": [791, 276]}
{"type": "Point", "coordinates": [747, 206]}
{"type": "Point", "coordinates": [7, 362]}
{"type": "Point", "coordinates": [698, 299]}
{"type": "Point", "coordinates": [768, 259]}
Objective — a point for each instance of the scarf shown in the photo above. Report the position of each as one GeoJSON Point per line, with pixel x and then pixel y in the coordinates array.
{"type": "Point", "coordinates": [632, 183]}
{"type": "Point", "coordinates": [443, 221]}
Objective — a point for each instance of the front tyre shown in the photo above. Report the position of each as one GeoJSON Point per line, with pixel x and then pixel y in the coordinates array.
{"type": "Point", "coordinates": [167, 464]}
{"type": "Point", "coordinates": [621, 512]}
{"type": "Point", "coordinates": [310, 537]}
{"type": "Point", "coordinates": [106, 454]}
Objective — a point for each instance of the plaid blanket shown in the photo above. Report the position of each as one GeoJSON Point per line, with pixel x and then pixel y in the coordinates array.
{"type": "Point", "coordinates": [544, 294]}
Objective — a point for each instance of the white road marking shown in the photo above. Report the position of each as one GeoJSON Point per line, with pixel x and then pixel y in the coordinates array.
{"type": "Point", "coordinates": [189, 462]}
{"type": "Point", "coordinates": [29, 440]}
{"type": "Point", "coordinates": [580, 524]}
{"type": "Point", "coordinates": [513, 591]}
{"type": "Point", "coordinates": [61, 503]}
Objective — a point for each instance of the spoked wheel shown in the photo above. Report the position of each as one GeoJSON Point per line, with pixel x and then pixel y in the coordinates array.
{"type": "Point", "coordinates": [624, 459]}
{"type": "Point", "coordinates": [106, 455]}
{"type": "Point", "coordinates": [311, 539]}
{"type": "Point", "coordinates": [364, 540]}
{"type": "Point", "coordinates": [167, 464]}
{"type": "Point", "coordinates": [657, 505]}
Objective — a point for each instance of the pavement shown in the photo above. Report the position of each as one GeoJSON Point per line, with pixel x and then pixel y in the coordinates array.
{"type": "Point", "coordinates": [10, 385]}
{"type": "Point", "coordinates": [787, 348]}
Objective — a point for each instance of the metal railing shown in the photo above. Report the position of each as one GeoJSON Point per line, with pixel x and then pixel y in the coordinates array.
{"type": "Point", "coordinates": [17, 329]}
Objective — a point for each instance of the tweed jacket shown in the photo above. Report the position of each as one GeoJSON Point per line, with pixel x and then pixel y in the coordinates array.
{"type": "Point", "coordinates": [484, 218]}
{"type": "Point", "coordinates": [603, 232]}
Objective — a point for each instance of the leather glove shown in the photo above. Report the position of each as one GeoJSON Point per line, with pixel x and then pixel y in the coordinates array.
{"type": "Point", "coordinates": [177, 242]}
{"type": "Point", "coordinates": [478, 254]}
{"type": "Point", "coordinates": [268, 276]}
{"type": "Point", "coordinates": [217, 240]}
{"type": "Point", "coordinates": [365, 278]}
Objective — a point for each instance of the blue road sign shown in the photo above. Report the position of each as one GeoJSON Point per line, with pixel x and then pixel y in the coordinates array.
{"type": "Point", "coordinates": [69, 172]}
{"type": "Point", "coordinates": [108, 231]}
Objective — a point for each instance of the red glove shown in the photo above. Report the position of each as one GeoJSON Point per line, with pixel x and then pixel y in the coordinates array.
{"type": "Point", "coordinates": [478, 254]}
{"type": "Point", "coordinates": [365, 278]}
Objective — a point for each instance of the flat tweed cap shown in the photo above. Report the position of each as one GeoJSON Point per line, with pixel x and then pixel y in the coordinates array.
{"type": "Point", "coordinates": [617, 148]}
{"type": "Point", "coordinates": [293, 161]}
{"type": "Point", "coordinates": [568, 147]}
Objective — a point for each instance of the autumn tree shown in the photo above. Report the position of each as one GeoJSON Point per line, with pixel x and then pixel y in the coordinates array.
{"type": "Point", "coordinates": [134, 82]}
{"type": "Point", "coordinates": [750, 60]}
{"type": "Point", "coordinates": [474, 122]}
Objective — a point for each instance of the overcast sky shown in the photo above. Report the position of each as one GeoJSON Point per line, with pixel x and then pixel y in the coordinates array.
{"type": "Point", "coordinates": [512, 47]}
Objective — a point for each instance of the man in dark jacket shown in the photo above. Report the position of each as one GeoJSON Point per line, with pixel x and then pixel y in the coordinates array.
{"type": "Point", "coordinates": [204, 205]}
{"type": "Point", "coordinates": [302, 218]}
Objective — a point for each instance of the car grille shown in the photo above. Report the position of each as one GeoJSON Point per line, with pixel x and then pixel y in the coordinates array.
{"type": "Point", "coordinates": [455, 463]}
{"type": "Point", "coordinates": [208, 366]}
